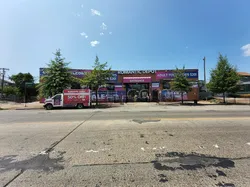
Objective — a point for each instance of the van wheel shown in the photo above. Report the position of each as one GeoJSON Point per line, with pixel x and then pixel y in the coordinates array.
{"type": "Point", "coordinates": [80, 106]}
{"type": "Point", "coordinates": [49, 107]}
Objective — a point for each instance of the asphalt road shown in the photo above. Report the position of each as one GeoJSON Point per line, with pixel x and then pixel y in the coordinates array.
{"type": "Point", "coordinates": [150, 148]}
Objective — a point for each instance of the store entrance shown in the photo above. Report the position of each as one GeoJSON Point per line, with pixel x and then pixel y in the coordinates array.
{"type": "Point", "coordinates": [155, 96]}
{"type": "Point", "coordinates": [137, 92]}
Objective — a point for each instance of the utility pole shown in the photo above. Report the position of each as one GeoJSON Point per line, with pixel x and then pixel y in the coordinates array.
{"type": "Point", "coordinates": [3, 76]}
{"type": "Point", "coordinates": [205, 84]}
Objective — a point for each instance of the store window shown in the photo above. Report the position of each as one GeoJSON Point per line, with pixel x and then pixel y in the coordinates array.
{"type": "Point", "coordinates": [166, 84]}
{"type": "Point", "coordinates": [138, 86]}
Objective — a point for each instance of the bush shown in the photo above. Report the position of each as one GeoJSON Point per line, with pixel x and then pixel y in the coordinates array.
{"type": "Point", "coordinates": [10, 90]}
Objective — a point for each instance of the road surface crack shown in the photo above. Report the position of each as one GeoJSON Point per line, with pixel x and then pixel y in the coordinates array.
{"type": "Point", "coordinates": [40, 162]}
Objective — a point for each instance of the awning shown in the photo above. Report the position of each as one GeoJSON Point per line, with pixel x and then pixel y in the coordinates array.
{"type": "Point", "coordinates": [136, 79]}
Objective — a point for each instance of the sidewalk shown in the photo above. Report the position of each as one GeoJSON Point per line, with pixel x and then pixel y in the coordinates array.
{"type": "Point", "coordinates": [150, 106]}
{"type": "Point", "coordinates": [21, 106]}
{"type": "Point", "coordinates": [175, 106]}
{"type": "Point", "coordinates": [235, 100]}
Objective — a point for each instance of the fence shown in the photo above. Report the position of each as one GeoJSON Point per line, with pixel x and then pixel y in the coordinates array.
{"type": "Point", "coordinates": [235, 100]}
{"type": "Point", "coordinates": [17, 99]}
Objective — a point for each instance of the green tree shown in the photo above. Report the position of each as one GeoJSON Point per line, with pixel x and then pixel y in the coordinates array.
{"type": "Point", "coordinates": [20, 79]}
{"type": "Point", "coordinates": [224, 78]}
{"type": "Point", "coordinates": [97, 77]}
{"type": "Point", "coordinates": [10, 90]}
{"type": "Point", "coordinates": [57, 76]}
{"type": "Point", "coordinates": [180, 82]}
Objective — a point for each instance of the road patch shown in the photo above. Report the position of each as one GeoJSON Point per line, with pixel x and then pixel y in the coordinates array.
{"type": "Point", "coordinates": [40, 162]}
{"type": "Point", "coordinates": [140, 121]}
{"type": "Point", "coordinates": [173, 161]}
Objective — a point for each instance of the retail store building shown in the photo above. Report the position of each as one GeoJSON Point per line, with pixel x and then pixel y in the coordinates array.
{"type": "Point", "coordinates": [141, 85]}
{"type": "Point", "coordinates": [244, 83]}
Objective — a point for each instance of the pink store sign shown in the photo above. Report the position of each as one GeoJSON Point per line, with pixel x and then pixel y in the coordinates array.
{"type": "Point", "coordinates": [190, 74]}
{"type": "Point", "coordinates": [136, 79]}
{"type": "Point", "coordinates": [119, 87]}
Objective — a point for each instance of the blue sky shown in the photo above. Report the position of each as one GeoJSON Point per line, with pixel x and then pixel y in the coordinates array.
{"type": "Point", "coordinates": [141, 34]}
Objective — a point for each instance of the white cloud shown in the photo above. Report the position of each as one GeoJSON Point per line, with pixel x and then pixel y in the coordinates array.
{"type": "Point", "coordinates": [110, 33]}
{"type": "Point", "coordinates": [84, 34]}
{"type": "Point", "coordinates": [104, 26]}
{"type": "Point", "coordinates": [94, 43]}
{"type": "Point", "coordinates": [101, 34]}
{"type": "Point", "coordinates": [246, 50]}
{"type": "Point", "coordinates": [95, 12]}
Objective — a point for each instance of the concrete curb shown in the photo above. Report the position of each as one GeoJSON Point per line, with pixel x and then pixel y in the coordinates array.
{"type": "Point", "coordinates": [27, 109]}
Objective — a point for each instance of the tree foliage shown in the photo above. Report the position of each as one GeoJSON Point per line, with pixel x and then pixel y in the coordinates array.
{"type": "Point", "coordinates": [224, 78]}
{"type": "Point", "coordinates": [180, 82]}
{"type": "Point", "coordinates": [57, 76]}
{"type": "Point", "coordinates": [20, 79]}
{"type": "Point", "coordinates": [10, 90]}
{"type": "Point", "coordinates": [97, 77]}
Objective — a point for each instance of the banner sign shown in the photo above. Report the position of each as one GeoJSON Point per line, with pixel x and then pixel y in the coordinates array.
{"type": "Point", "coordinates": [170, 95]}
{"type": "Point", "coordinates": [80, 73]}
{"type": "Point", "coordinates": [76, 91]}
{"type": "Point", "coordinates": [137, 72]}
{"type": "Point", "coordinates": [76, 96]}
{"type": "Point", "coordinates": [109, 96]}
{"type": "Point", "coordinates": [155, 84]}
{"type": "Point", "coordinates": [136, 79]}
{"type": "Point", "coordinates": [190, 74]}
{"type": "Point", "coordinates": [114, 77]}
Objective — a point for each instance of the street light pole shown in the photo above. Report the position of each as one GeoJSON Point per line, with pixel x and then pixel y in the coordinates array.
{"type": "Point", "coordinates": [24, 94]}
{"type": "Point", "coordinates": [205, 85]}
{"type": "Point", "coordinates": [3, 76]}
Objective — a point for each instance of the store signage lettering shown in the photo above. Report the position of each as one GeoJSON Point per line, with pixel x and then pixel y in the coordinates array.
{"type": "Point", "coordinates": [137, 72]}
{"type": "Point", "coordinates": [77, 73]}
{"type": "Point", "coordinates": [155, 84]}
{"type": "Point", "coordinates": [114, 77]}
{"type": "Point", "coordinates": [81, 73]}
{"type": "Point", "coordinates": [136, 79]}
{"type": "Point", "coordinates": [170, 75]}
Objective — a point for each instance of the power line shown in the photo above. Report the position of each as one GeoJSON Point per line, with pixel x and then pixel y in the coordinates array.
{"type": "Point", "coordinates": [3, 76]}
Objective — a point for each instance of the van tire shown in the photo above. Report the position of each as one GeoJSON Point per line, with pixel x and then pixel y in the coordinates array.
{"type": "Point", "coordinates": [80, 106]}
{"type": "Point", "coordinates": [49, 107]}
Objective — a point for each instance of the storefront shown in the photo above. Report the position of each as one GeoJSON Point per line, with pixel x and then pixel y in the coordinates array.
{"type": "Point", "coordinates": [141, 85]}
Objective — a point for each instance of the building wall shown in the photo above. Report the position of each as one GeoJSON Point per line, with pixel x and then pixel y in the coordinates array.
{"type": "Point", "coordinates": [244, 84]}
{"type": "Point", "coordinates": [157, 76]}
